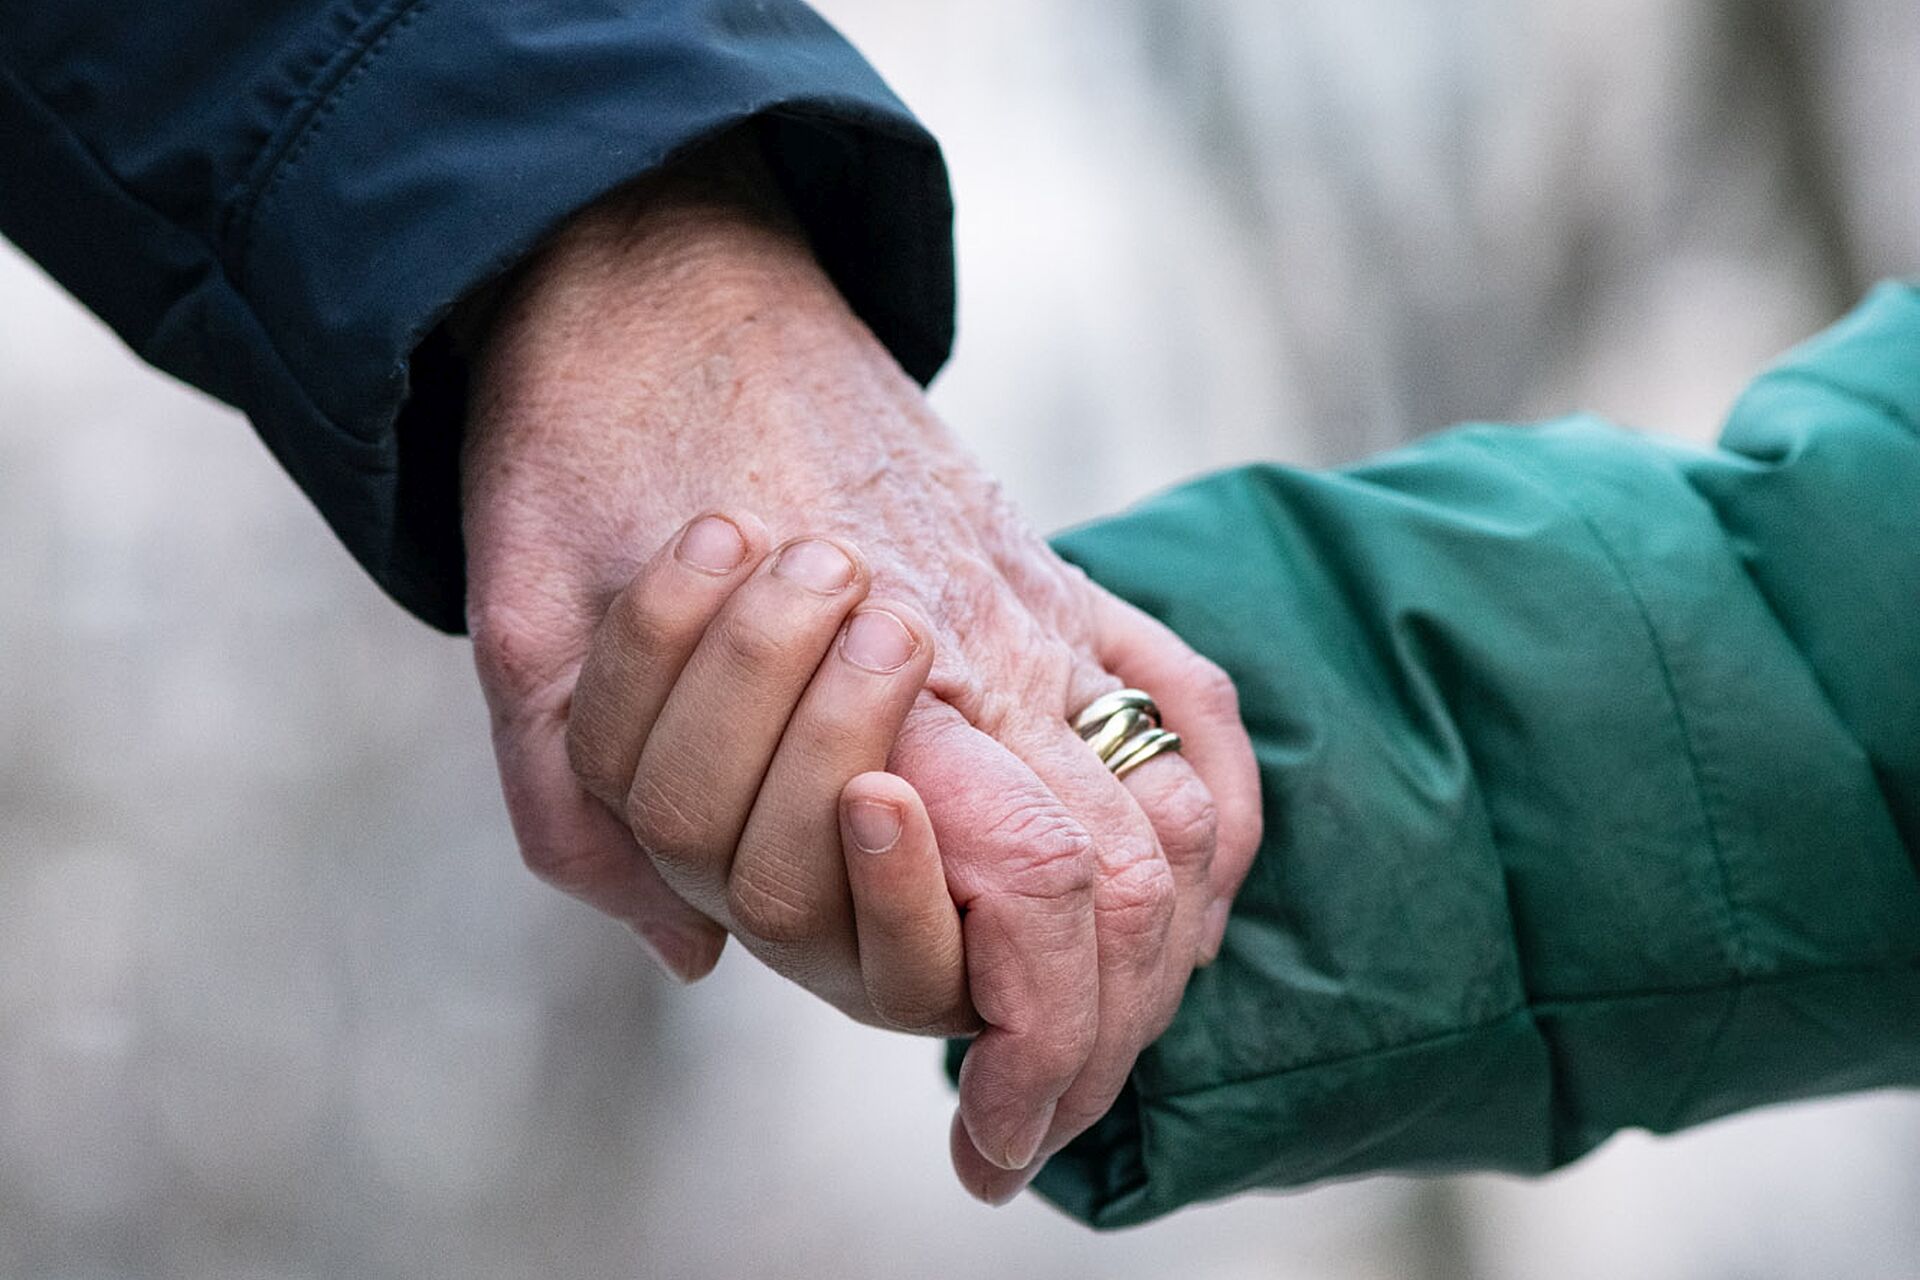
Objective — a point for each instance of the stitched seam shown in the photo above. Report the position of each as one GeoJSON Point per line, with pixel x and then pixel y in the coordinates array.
{"type": "Point", "coordinates": [1738, 954]}
{"type": "Point", "coordinates": [1532, 1009]}
{"type": "Point", "coordinates": [25, 89]}
{"type": "Point", "coordinates": [294, 120]}
{"type": "Point", "coordinates": [365, 48]}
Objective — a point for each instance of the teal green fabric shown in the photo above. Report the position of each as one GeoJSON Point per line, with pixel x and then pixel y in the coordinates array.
{"type": "Point", "coordinates": [1591, 767]}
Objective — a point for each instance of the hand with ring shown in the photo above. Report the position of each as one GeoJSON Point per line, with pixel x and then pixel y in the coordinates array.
{"type": "Point", "coordinates": [675, 351]}
{"type": "Point", "coordinates": [738, 707]}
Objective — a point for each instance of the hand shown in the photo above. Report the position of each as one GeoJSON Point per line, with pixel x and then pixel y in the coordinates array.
{"type": "Point", "coordinates": [678, 350]}
{"type": "Point", "coordinates": [737, 702]}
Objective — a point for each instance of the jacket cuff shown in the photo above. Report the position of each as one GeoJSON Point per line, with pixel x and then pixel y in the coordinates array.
{"type": "Point", "coordinates": [1587, 764]}
{"type": "Point", "coordinates": [452, 141]}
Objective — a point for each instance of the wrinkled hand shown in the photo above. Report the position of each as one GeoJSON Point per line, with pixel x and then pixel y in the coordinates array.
{"type": "Point", "coordinates": [677, 350]}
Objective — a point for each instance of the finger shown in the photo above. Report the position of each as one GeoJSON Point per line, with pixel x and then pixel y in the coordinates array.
{"type": "Point", "coordinates": [703, 762]}
{"type": "Point", "coordinates": [787, 886]}
{"type": "Point", "coordinates": [1185, 823]}
{"type": "Point", "coordinates": [649, 631]}
{"type": "Point", "coordinates": [1149, 903]}
{"type": "Point", "coordinates": [1020, 866]}
{"type": "Point", "coordinates": [1173, 801]}
{"type": "Point", "coordinates": [984, 1180]}
{"type": "Point", "coordinates": [1198, 701]}
{"type": "Point", "coordinates": [911, 956]}
{"type": "Point", "coordinates": [1141, 963]}
{"type": "Point", "coordinates": [1140, 919]}
{"type": "Point", "coordinates": [572, 841]}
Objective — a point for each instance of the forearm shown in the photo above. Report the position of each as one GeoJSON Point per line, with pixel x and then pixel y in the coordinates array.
{"type": "Point", "coordinates": [284, 215]}
{"type": "Point", "coordinates": [1587, 761]}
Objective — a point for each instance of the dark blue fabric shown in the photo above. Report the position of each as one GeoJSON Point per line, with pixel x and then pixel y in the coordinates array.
{"type": "Point", "coordinates": [278, 200]}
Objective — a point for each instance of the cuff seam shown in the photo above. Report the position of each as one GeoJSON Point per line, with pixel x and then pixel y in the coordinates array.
{"type": "Point", "coordinates": [281, 154]}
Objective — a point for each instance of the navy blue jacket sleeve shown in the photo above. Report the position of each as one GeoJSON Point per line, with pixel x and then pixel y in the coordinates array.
{"type": "Point", "coordinates": [279, 200]}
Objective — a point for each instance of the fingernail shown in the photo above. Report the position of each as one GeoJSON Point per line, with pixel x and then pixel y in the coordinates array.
{"type": "Point", "coordinates": [878, 641]}
{"type": "Point", "coordinates": [815, 565]}
{"type": "Point", "coordinates": [875, 826]}
{"type": "Point", "coordinates": [1023, 1147]}
{"type": "Point", "coordinates": [1021, 1156]}
{"type": "Point", "coordinates": [713, 544]}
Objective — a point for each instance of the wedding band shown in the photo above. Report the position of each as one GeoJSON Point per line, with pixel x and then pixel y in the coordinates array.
{"type": "Point", "coordinates": [1107, 705]}
{"type": "Point", "coordinates": [1155, 742]}
{"type": "Point", "coordinates": [1123, 728]}
{"type": "Point", "coordinates": [1120, 726]}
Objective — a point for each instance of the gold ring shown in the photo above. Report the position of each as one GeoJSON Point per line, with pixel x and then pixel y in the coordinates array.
{"type": "Point", "coordinates": [1120, 726]}
{"type": "Point", "coordinates": [1107, 705]}
{"type": "Point", "coordinates": [1154, 742]}
{"type": "Point", "coordinates": [1123, 728]}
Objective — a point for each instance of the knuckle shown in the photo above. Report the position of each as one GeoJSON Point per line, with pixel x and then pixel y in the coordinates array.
{"type": "Point", "coordinates": [591, 763]}
{"type": "Point", "coordinates": [635, 624]}
{"type": "Point", "coordinates": [1051, 854]}
{"type": "Point", "coordinates": [517, 660]}
{"type": "Point", "coordinates": [1187, 820]}
{"type": "Point", "coordinates": [1065, 1049]}
{"type": "Point", "coordinates": [923, 1014]}
{"type": "Point", "coordinates": [1051, 662]}
{"type": "Point", "coordinates": [750, 642]}
{"type": "Point", "coordinates": [1212, 692]}
{"type": "Point", "coordinates": [1049, 1060]}
{"type": "Point", "coordinates": [773, 908]}
{"type": "Point", "coordinates": [1046, 668]}
{"type": "Point", "coordinates": [836, 729]}
{"type": "Point", "coordinates": [956, 1023]}
{"type": "Point", "coordinates": [1013, 666]}
{"type": "Point", "coordinates": [1075, 1115]}
{"type": "Point", "coordinates": [1136, 902]}
{"type": "Point", "coordinates": [664, 817]}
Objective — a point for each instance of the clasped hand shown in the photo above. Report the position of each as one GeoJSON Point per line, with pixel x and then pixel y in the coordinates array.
{"type": "Point", "coordinates": [830, 715]}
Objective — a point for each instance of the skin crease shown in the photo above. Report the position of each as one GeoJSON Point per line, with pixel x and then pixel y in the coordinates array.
{"type": "Point", "coordinates": [676, 350]}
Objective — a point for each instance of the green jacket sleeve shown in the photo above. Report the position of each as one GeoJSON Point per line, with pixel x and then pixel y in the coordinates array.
{"type": "Point", "coordinates": [1591, 768]}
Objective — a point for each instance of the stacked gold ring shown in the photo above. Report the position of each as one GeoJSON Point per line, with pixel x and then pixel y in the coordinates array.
{"type": "Point", "coordinates": [1123, 728]}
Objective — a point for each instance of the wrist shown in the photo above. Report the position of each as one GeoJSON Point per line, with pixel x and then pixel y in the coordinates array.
{"type": "Point", "coordinates": [696, 247]}
{"type": "Point", "coordinates": [688, 211]}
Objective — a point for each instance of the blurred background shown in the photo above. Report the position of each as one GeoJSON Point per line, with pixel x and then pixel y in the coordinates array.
{"type": "Point", "coordinates": [277, 1000]}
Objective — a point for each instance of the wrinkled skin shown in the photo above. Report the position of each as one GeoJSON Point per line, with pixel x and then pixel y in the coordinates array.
{"type": "Point", "coordinates": [677, 350]}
